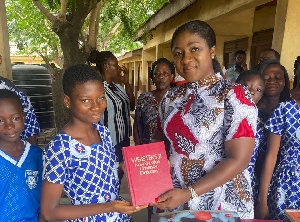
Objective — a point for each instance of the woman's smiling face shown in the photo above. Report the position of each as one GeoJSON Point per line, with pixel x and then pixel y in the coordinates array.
{"type": "Point", "coordinates": [274, 80]}
{"type": "Point", "coordinates": [193, 57]}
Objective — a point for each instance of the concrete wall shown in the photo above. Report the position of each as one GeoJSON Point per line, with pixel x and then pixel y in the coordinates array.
{"type": "Point", "coordinates": [287, 32]}
{"type": "Point", "coordinates": [5, 65]}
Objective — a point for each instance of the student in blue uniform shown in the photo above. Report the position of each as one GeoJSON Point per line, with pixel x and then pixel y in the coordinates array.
{"type": "Point", "coordinates": [81, 160]}
{"type": "Point", "coordinates": [31, 126]}
{"type": "Point", "coordinates": [20, 164]}
{"type": "Point", "coordinates": [255, 83]}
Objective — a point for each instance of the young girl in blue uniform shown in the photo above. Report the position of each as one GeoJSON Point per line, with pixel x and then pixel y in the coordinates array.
{"type": "Point", "coordinates": [255, 83]}
{"type": "Point", "coordinates": [81, 160]}
{"type": "Point", "coordinates": [280, 177]}
{"type": "Point", "coordinates": [20, 164]}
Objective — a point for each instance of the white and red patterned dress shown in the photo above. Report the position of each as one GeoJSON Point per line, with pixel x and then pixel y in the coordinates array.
{"type": "Point", "coordinates": [197, 118]}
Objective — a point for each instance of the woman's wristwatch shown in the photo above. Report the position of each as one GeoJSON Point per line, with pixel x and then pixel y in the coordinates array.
{"type": "Point", "coordinates": [194, 195]}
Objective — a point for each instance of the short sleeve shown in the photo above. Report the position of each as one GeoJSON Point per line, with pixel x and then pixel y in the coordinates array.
{"type": "Point", "coordinates": [55, 162]}
{"type": "Point", "coordinates": [104, 133]}
{"type": "Point", "coordinates": [275, 123]}
{"type": "Point", "coordinates": [240, 114]}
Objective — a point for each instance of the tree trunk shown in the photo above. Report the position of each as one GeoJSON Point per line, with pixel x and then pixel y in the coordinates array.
{"type": "Point", "coordinates": [72, 55]}
{"type": "Point", "coordinates": [61, 113]}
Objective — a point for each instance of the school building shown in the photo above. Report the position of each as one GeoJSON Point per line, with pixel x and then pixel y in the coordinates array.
{"type": "Point", "coordinates": [249, 25]}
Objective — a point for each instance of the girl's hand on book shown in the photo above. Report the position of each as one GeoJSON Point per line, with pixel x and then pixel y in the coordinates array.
{"type": "Point", "coordinates": [125, 207]}
{"type": "Point", "coordinates": [172, 199]}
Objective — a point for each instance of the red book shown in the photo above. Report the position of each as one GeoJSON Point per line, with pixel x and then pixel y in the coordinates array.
{"type": "Point", "coordinates": [293, 214]}
{"type": "Point", "coordinates": [147, 171]}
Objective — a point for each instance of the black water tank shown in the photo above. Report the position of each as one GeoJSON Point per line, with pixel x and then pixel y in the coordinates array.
{"type": "Point", "coordinates": [35, 81]}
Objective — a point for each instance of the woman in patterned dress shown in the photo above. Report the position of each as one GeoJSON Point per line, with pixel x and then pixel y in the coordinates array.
{"type": "Point", "coordinates": [281, 169]}
{"type": "Point", "coordinates": [81, 160]}
{"type": "Point", "coordinates": [162, 73]}
{"type": "Point", "coordinates": [210, 123]}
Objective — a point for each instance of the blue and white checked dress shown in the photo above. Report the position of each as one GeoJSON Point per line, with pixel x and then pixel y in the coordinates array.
{"type": "Point", "coordinates": [89, 173]}
{"type": "Point", "coordinates": [285, 184]}
{"type": "Point", "coordinates": [260, 143]}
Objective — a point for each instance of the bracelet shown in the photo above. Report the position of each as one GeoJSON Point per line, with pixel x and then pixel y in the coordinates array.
{"type": "Point", "coordinates": [194, 195]}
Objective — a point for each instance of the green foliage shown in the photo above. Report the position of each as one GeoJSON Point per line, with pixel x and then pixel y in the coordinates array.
{"type": "Point", "coordinates": [32, 32]}
{"type": "Point", "coordinates": [29, 29]}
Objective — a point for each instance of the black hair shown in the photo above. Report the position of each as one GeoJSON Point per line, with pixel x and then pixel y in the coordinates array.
{"type": "Point", "coordinates": [162, 60]}
{"type": "Point", "coordinates": [285, 94]}
{"type": "Point", "coordinates": [203, 30]}
{"type": "Point", "coordinates": [100, 58]}
{"type": "Point", "coordinates": [277, 55]}
{"type": "Point", "coordinates": [78, 74]}
{"type": "Point", "coordinates": [296, 65]}
{"type": "Point", "coordinates": [247, 73]}
{"type": "Point", "coordinates": [7, 94]}
{"type": "Point", "coordinates": [239, 52]}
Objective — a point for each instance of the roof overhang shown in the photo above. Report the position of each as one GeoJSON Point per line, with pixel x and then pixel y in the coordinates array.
{"type": "Point", "coordinates": [169, 9]}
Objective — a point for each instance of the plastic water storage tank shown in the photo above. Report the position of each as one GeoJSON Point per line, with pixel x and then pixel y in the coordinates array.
{"type": "Point", "coordinates": [35, 81]}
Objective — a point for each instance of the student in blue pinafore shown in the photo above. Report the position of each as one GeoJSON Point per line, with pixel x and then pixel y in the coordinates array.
{"type": "Point", "coordinates": [255, 83]}
{"type": "Point", "coordinates": [20, 164]}
{"type": "Point", "coordinates": [81, 160]}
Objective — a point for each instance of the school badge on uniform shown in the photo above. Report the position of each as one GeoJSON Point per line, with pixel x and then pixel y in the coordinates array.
{"type": "Point", "coordinates": [79, 150]}
{"type": "Point", "coordinates": [31, 178]}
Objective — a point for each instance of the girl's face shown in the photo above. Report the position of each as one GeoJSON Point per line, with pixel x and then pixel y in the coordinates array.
{"type": "Point", "coordinates": [255, 85]}
{"type": "Point", "coordinates": [162, 76]}
{"type": "Point", "coordinates": [87, 102]}
{"type": "Point", "coordinates": [274, 80]}
{"type": "Point", "coordinates": [12, 120]}
{"type": "Point", "coordinates": [193, 57]}
{"type": "Point", "coordinates": [112, 68]}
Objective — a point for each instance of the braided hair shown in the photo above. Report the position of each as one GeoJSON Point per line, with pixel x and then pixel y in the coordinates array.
{"type": "Point", "coordinates": [100, 58]}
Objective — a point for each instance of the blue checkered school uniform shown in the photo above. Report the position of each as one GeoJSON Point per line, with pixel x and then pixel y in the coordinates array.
{"type": "Point", "coordinates": [260, 144]}
{"type": "Point", "coordinates": [31, 125]}
{"type": "Point", "coordinates": [285, 183]}
{"type": "Point", "coordinates": [20, 185]}
{"type": "Point", "coordinates": [88, 173]}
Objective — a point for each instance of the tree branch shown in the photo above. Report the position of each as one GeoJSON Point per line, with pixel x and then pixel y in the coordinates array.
{"type": "Point", "coordinates": [63, 11]}
{"type": "Point", "coordinates": [94, 27]}
{"type": "Point", "coordinates": [48, 15]}
{"type": "Point", "coordinates": [112, 32]}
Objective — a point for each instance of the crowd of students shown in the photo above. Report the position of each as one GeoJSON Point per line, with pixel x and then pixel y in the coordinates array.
{"type": "Point", "coordinates": [231, 145]}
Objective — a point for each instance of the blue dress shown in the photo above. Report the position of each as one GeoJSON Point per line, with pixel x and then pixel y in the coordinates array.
{"type": "Point", "coordinates": [88, 173]}
{"type": "Point", "coordinates": [285, 183]}
{"type": "Point", "coordinates": [20, 185]}
{"type": "Point", "coordinates": [260, 147]}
